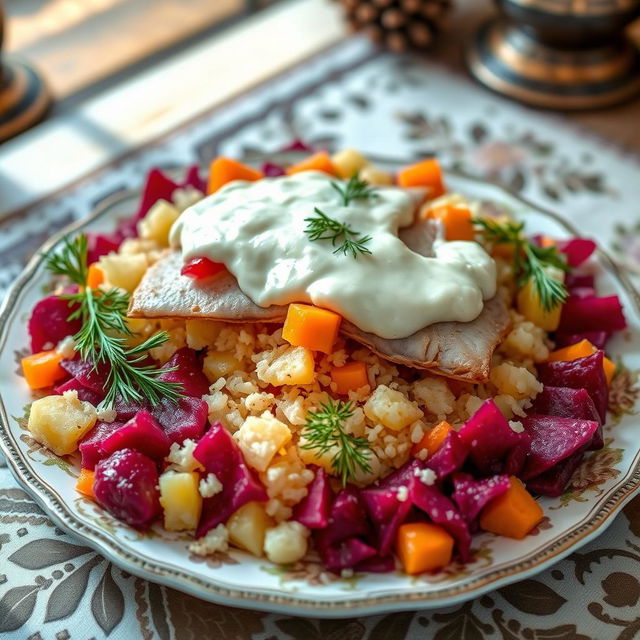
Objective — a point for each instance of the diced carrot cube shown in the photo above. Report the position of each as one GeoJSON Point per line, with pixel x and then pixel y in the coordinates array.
{"type": "Point", "coordinates": [311, 327]}
{"type": "Point", "coordinates": [582, 349]}
{"type": "Point", "coordinates": [351, 377]}
{"type": "Point", "coordinates": [546, 241]}
{"type": "Point", "coordinates": [43, 369]}
{"type": "Point", "coordinates": [609, 369]}
{"type": "Point", "coordinates": [95, 276]}
{"type": "Point", "coordinates": [433, 439]}
{"type": "Point", "coordinates": [456, 220]}
{"type": "Point", "coordinates": [317, 162]}
{"type": "Point", "coordinates": [513, 513]}
{"type": "Point", "coordinates": [224, 170]}
{"type": "Point", "coordinates": [424, 174]}
{"type": "Point", "coordinates": [85, 482]}
{"type": "Point", "coordinates": [423, 546]}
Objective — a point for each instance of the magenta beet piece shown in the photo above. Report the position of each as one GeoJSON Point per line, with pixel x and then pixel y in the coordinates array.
{"type": "Point", "coordinates": [194, 179]}
{"type": "Point", "coordinates": [386, 512]}
{"type": "Point", "coordinates": [449, 457]}
{"type": "Point", "coordinates": [377, 564]}
{"type": "Point", "coordinates": [101, 244]}
{"type": "Point", "coordinates": [517, 456]}
{"type": "Point", "coordinates": [84, 394]}
{"type": "Point", "coordinates": [347, 518]}
{"type": "Point", "coordinates": [472, 495]}
{"type": "Point", "coordinates": [142, 433]}
{"type": "Point", "coordinates": [385, 532]}
{"type": "Point", "coordinates": [182, 420]}
{"type": "Point", "coordinates": [297, 145]}
{"type": "Point", "coordinates": [48, 323]}
{"type": "Point", "coordinates": [127, 409]}
{"type": "Point", "coordinates": [219, 453]}
{"type": "Point", "coordinates": [592, 314]}
{"type": "Point", "coordinates": [313, 510]}
{"type": "Point", "coordinates": [553, 439]}
{"type": "Point", "coordinates": [271, 170]}
{"type": "Point", "coordinates": [91, 445]}
{"type": "Point", "coordinates": [86, 375]}
{"type": "Point", "coordinates": [402, 476]}
{"type": "Point", "coordinates": [188, 373]}
{"type": "Point", "coordinates": [569, 403]}
{"type": "Point", "coordinates": [582, 373]}
{"type": "Point", "coordinates": [345, 554]}
{"type": "Point", "coordinates": [598, 339]}
{"type": "Point", "coordinates": [575, 280]}
{"type": "Point", "coordinates": [488, 436]}
{"type": "Point", "coordinates": [158, 186]}
{"type": "Point", "coordinates": [126, 485]}
{"type": "Point", "coordinates": [576, 250]}
{"type": "Point", "coordinates": [582, 292]}
{"type": "Point", "coordinates": [553, 482]}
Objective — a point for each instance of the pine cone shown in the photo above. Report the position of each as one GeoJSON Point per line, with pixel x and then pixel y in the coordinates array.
{"type": "Point", "coordinates": [397, 24]}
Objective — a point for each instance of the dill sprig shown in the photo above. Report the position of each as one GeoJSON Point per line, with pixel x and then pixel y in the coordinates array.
{"type": "Point", "coordinates": [354, 189]}
{"type": "Point", "coordinates": [531, 262]}
{"type": "Point", "coordinates": [322, 227]}
{"type": "Point", "coordinates": [104, 331]}
{"type": "Point", "coordinates": [325, 430]}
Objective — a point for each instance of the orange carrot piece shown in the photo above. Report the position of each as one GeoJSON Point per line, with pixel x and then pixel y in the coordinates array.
{"type": "Point", "coordinates": [95, 276]}
{"type": "Point", "coordinates": [43, 369]}
{"type": "Point", "coordinates": [84, 485]}
{"type": "Point", "coordinates": [513, 513]}
{"type": "Point", "coordinates": [350, 377]}
{"type": "Point", "coordinates": [424, 174]}
{"type": "Point", "coordinates": [546, 241]}
{"type": "Point", "coordinates": [422, 546]}
{"type": "Point", "coordinates": [311, 327]}
{"type": "Point", "coordinates": [317, 162]}
{"type": "Point", "coordinates": [433, 439]}
{"type": "Point", "coordinates": [582, 349]}
{"type": "Point", "coordinates": [456, 220]}
{"type": "Point", "coordinates": [224, 170]}
{"type": "Point", "coordinates": [609, 369]}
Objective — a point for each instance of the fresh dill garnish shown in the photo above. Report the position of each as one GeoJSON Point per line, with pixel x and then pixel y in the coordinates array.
{"type": "Point", "coordinates": [322, 227]}
{"type": "Point", "coordinates": [325, 430]}
{"type": "Point", "coordinates": [354, 189]}
{"type": "Point", "coordinates": [102, 338]}
{"type": "Point", "coordinates": [531, 262]}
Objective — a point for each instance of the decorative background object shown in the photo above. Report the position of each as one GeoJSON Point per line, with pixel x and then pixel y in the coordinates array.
{"type": "Point", "coordinates": [24, 99]}
{"type": "Point", "coordinates": [559, 54]}
{"type": "Point", "coordinates": [398, 24]}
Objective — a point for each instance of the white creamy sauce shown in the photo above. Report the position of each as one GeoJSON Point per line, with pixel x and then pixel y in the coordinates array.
{"type": "Point", "coordinates": [257, 229]}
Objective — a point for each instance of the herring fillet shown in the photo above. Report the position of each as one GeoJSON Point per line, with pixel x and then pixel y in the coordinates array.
{"type": "Point", "coordinates": [460, 350]}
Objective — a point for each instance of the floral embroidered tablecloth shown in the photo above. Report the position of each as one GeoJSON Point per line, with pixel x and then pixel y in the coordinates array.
{"type": "Point", "coordinates": [51, 586]}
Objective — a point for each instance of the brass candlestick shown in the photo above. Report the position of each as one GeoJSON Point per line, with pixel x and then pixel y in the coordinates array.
{"type": "Point", "coordinates": [24, 99]}
{"type": "Point", "coordinates": [559, 54]}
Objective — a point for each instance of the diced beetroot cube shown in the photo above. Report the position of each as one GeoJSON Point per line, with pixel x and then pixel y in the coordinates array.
{"type": "Point", "coordinates": [313, 510]}
{"type": "Point", "coordinates": [517, 456]}
{"type": "Point", "coordinates": [583, 373]}
{"type": "Point", "coordinates": [48, 323]}
{"type": "Point", "coordinates": [182, 420]}
{"type": "Point", "coordinates": [194, 179]}
{"type": "Point", "coordinates": [598, 339]}
{"type": "Point", "coordinates": [553, 439]}
{"type": "Point", "coordinates": [377, 564]}
{"type": "Point", "coordinates": [142, 433]}
{"type": "Point", "coordinates": [127, 409]}
{"type": "Point", "coordinates": [84, 394]}
{"type": "Point", "coordinates": [576, 250]}
{"type": "Point", "coordinates": [297, 145]}
{"type": "Point", "coordinates": [449, 457]}
{"type": "Point", "coordinates": [553, 482]}
{"type": "Point", "coordinates": [385, 532]}
{"type": "Point", "coordinates": [573, 280]}
{"type": "Point", "coordinates": [386, 512]}
{"type": "Point", "coordinates": [345, 554]}
{"type": "Point", "coordinates": [188, 373]}
{"type": "Point", "coordinates": [219, 454]}
{"type": "Point", "coordinates": [347, 518]}
{"type": "Point", "coordinates": [158, 186]}
{"type": "Point", "coordinates": [582, 292]}
{"type": "Point", "coordinates": [472, 495]}
{"type": "Point", "coordinates": [403, 476]}
{"type": "Point", "coordinates": [91, 445]}
{"type": "Point", "coordinates": [488, 436]}
{"type": "Point", "coordinates": [89, 377]}
{"type": "Point", "coordinates": [569, 403]}
{"type": "Point", "coordinates": [126, 485]}
{"type": "Point", "coordinates": [271, 170]}
{"type": "Point", "coordinates": [101, 244]}
{"type": "Point", "coordinates": [592, 314]}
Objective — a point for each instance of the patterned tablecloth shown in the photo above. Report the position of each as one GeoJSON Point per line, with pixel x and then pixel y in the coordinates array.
{"type": "Point", "coordinates": [53, 587]}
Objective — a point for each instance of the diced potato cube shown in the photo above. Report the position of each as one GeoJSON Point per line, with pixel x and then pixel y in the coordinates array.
{"type": "Point", "coordinates": [261, 438]}
{"type": "Point", "coordinates": [219, 364]}
{"type": "Point", "coordinates": [60, 422]}
{"type": "Point", "coordinates": [180, 500]}
{"type": "Point", "coordinates": [313, 456]}
{"type": "Point", "coordinates": [515, 381]}
{"type": "Point", "coordinates": [391, 408]}
{"type": "Point", "coordinates": [201, 333]}
{"type": "Point", "coordinates": [294, 366]}
{"type": "Point", "coordinates": [348, 162]}
{"type": "Point", "coordinates": [247, 527]}
{"type": "Point", "coordinates": [158, 221]}
{"type": "Point", "coordinates": [286, 543]}
{"type": "Point", "coordinates": [375, 176]}
{"type": "Point", "coordinates": [124, 271]}
{"type": "Point", "coordinates": [530, 307]}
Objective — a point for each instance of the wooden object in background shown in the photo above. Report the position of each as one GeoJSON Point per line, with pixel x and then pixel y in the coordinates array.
{"type": "Point", "coordinates": [559, 54]}
{"type": "Point", "coordinates": [24, 99]}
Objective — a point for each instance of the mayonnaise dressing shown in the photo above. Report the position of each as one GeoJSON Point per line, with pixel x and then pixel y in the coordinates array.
{"type": "Point", "coordinates": [257, 229]}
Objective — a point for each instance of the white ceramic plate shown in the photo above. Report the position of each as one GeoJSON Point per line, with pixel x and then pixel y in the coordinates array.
{"type": "Point", "coordinates": [608, 478]}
